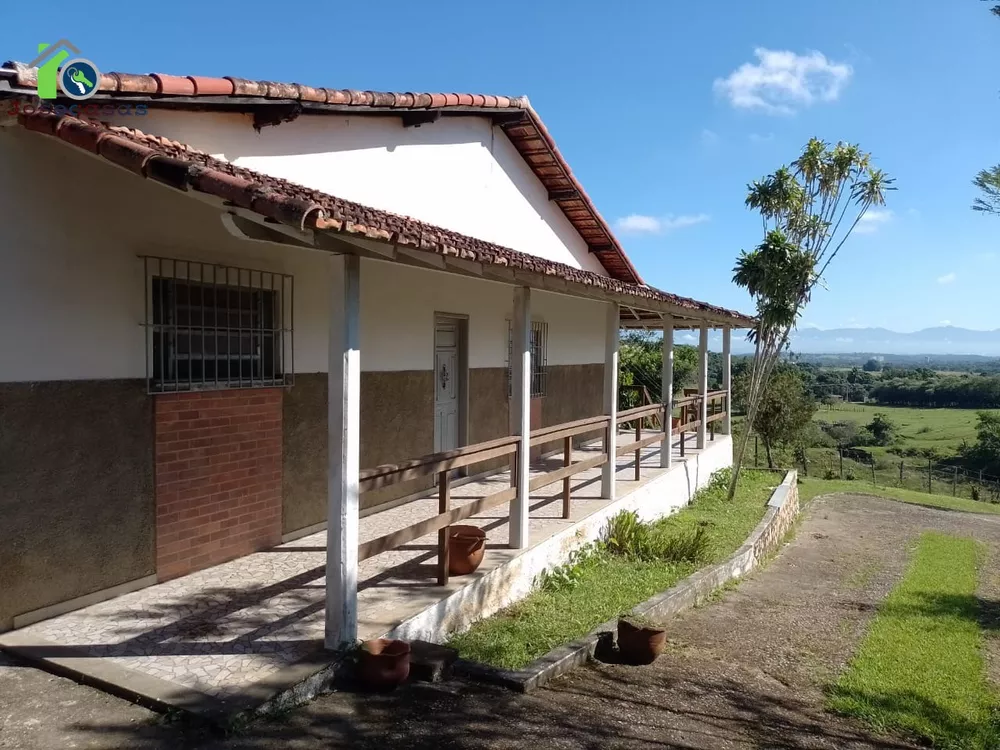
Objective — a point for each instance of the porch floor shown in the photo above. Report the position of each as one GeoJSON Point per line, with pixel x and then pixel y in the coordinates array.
{"type": "Point", "coordinates": [246, 629]}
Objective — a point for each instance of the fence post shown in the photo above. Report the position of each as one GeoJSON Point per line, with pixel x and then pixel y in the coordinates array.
{"type": "Point", "coordinates": [900, 473]}
{"type": "Point", "coordinates": [874, 483]}
{"type": "Point", "coordinates": [954, 481]}
{"type": "Point", "coordinates": [444, 505]}
{"type": "Point", "coordinates": [755, 451]}
{"type": "Point", "coordinates": [638, 451]}
{"type": "Point", "coordinates": [840, 450]}
{"type": "Point", "coordinates": [567, 460]}
{"type": "Point", "coordinates": [930, 472]}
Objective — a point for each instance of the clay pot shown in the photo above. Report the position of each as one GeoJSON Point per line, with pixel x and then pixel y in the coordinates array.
{"type": "Point", "coordinates": [638, 644]}
{"type": "Point", "coordinates": [384, 664]}
{"type": "Point", "coordinates": [466, 547]}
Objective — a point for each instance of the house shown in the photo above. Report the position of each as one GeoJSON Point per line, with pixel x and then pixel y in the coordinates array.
{"type": "Point", "coordinates": [236, 311]}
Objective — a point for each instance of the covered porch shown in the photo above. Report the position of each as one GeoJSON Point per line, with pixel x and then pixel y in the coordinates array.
{"type": "Point", "coordinates": [250, 632]}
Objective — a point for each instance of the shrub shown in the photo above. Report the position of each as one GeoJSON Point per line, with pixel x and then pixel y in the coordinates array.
{"type": "Point", "coordinates": [567, 576]}
{"type": "Point", "coordinates": [626, 535]}
{"type": "Point", "coordinates": [719, 480]}
{"type": "Point", "coordinates": [686, 546]}
{"type": "Point", "coordinates": [849, 474]}
{"type": "Point", "coordinates": [975, 493]}
{"type": "Point", "coordinates": [829, 474]}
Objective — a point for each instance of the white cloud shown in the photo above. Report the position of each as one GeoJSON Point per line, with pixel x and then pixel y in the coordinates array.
{"type": "Point", "coordinates": [945, 323]}
{"type": "Point", "coordinates": [758, 139]}
{"type": "Point", "coordinates": [843, 340]}
{"type": "Point", "coordinates": [709, 138]}
{"type": "Point", "coordinates": [639, 224]}
{"type": "Point", "coordinates": [948, 278]}
{"type": "Point", "coordinates": [808, 325]}
{"type": "Point", "coordinates": [872, 220]}
{"type": "Point", "coordinates": [783, 81]}
{"type": "Point", "coordinates": [913, 212]}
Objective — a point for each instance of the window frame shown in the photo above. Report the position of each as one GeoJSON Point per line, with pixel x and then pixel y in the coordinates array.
{"type": "Point", "coordinates": [539, 334]}
{"type": "Point", "coordinates": [191, 337]}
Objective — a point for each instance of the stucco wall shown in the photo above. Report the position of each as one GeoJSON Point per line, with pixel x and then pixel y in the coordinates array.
{"type": "Point", "coordinates": [461, 173]}
{"type": "Point", "coordinates": [76, 490]}
{"type": "Point", "coordinates": [72, 295]}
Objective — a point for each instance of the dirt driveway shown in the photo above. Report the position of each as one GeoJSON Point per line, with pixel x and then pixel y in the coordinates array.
{"type": "Point", "coordinates": [743, 672]}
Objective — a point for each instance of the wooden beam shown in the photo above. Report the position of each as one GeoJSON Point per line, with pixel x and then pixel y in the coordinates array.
{"type": "Point", "coordinates": [416, 118]}
{"type": "Point", "coordinates": [424, 258]}
{"type": "Point", "coordinates": [564, 195]}
{"type": "Point", "coordinates": [472, 267]}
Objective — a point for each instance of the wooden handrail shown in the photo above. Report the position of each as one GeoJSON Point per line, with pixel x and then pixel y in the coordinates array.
{"type": "Point", "coordinates": [567, 429]}
{"type": "Point", "coordinates": [639, 412]}
{"type": "Point", "coordinates": [422, 528]}
{"type": "Point", "coordinates": [444, 462]}
{"type": "Point", "coordinates": [388, 474]}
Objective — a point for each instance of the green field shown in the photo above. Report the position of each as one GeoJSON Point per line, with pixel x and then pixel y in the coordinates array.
{"type": "Point", "coordinates": [943, 429]}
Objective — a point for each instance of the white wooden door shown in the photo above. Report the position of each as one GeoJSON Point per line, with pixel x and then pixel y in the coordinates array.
{"type": "Point", "coordinates": [446, 384]}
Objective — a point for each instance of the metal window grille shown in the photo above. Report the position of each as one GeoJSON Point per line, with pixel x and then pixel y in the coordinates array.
{"type": "Point", "coordinates": [539, 353]}
{"type": "Point", "coordinates": [210, 326]}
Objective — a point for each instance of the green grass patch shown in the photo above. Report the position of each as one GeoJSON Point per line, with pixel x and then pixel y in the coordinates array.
{"type": "Point", "coordinates": [810, 487]}
{"type": "Point", "coordinates": [598, 585]}
{"type": "Point", "coordinates": [920, 670]}
{"type": "Point", "coordinates": [943, 429]}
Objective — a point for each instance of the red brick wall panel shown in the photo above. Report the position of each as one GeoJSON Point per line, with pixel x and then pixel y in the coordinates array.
{"type": "Point", "coordinates": [218, 465]}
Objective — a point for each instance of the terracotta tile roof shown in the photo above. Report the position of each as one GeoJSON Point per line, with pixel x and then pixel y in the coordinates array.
{"type": "Point", "coordinates": [524, 129]}
{"type": "Point", "coordinates": [184, 168]}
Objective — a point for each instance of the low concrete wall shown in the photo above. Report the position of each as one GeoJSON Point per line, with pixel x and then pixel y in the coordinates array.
{"type": "Point", "coordinates": [514, 580]}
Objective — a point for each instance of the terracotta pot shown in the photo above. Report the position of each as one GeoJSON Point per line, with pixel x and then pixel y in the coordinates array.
{"type": "Point", "coordinates": [640, 645]}
{"type": "Point", "coordinates": [384, 664]}
{"type": "Point", "coordinates": [466, 547]}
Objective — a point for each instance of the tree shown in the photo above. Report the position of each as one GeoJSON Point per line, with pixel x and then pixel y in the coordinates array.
{"type": "Point", "coordinates": [784, 413]}
{"type": "Point", "coordinates": [882, 429]}
{"type": "Point", "coordinates": [988, 180]}
{"type": "Point", "coordinates": [872, 365]}
{"type": "Point", "coordinates": [803, 208]}
{"type": "Point", "coordinates": [985, 454]}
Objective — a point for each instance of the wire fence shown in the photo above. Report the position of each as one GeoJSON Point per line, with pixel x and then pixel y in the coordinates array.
{"type": "Point", "coordinates": [934, 477]}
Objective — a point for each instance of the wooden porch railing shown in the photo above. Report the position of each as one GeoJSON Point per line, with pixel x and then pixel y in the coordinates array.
{"type": "Point", "coordinates": [444, 463]}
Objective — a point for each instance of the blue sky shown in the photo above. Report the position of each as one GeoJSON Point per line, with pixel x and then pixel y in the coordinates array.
{"type": "Point", "coordinates": [651, 104]}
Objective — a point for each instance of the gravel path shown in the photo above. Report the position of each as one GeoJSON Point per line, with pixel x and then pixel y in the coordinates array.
{"type": "Point", "coordinates": [743, 672]}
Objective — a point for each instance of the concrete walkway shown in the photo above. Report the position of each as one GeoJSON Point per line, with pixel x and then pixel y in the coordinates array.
{"type": "Point", "coordinates": [230, 637]}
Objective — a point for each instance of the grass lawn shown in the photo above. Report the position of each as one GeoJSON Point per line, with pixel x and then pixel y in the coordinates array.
{"type": "Point", "coordinates": [920, 669]}
{"type": "Point", "coordinates": [810, 487]}
{"type": "Point", "coordinates": [944, 429]}
{"type": "Point", "coordinates": [604, 585]}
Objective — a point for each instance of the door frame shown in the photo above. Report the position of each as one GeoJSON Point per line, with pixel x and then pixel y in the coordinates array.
{"type": "Point", "coordinates": [462, 321]}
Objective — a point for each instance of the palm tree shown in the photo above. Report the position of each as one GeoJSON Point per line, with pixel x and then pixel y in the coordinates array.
{"type": "Point", "coordinates": [808, 210]}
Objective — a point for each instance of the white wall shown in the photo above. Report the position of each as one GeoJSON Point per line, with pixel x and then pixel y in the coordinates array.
{"type": "Point", "coordinates": [460, 173]}
{"type": "Point", "coordinates": [72, 289]}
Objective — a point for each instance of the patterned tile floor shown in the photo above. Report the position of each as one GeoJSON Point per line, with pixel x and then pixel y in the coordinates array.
{"type": "Point", "coordinates": [219, 630]}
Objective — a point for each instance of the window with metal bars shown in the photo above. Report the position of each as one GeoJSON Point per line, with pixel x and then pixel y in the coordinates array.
{"type": "Point", "coordinates": [210, 326]}
{"type": "Point", "coordinates": [539, 352]}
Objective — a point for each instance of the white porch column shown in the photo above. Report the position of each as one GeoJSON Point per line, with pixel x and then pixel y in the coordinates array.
{"type": "Point", "coordinates": [667, 391]}
{"type": "Point", "coordinates": [703, 385]}
{"type": "Point", "coordinates": [611, 398]}
{"type": "Point", "coordinates": [727, 378]}
{"type": "Point", "coordinates": [343, 432]}
{"type": "Point", "coordinates": [520, 413]}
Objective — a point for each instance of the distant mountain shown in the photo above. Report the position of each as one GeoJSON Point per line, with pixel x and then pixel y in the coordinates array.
{"type": "Point", "coordinates": [939, 340]}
